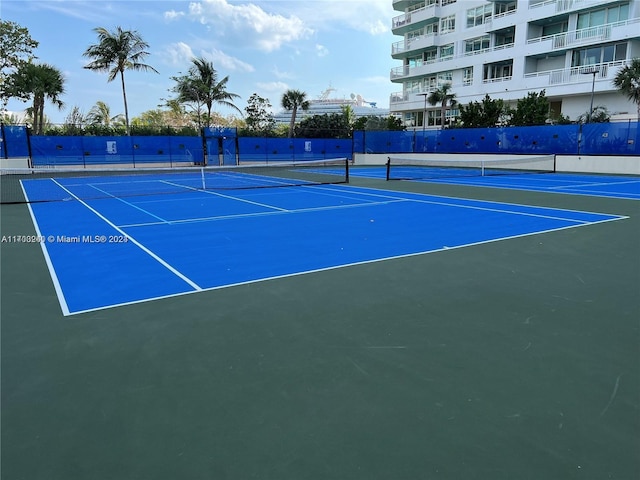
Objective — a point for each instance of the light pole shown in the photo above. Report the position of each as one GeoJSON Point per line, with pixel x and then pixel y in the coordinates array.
{"type": "Point", "coordinates": [593, 72]}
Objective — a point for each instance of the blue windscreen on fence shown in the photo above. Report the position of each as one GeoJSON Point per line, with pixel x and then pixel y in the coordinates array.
{"type": "Point", "coordinates": [15, 141]}
{"type": "Point", "coordinates": [268, 149]}
{"type": "Point", "coordinates": [610, 139]}
{"type": "Point", "coordinates": [545, 140]}
{"type": "Point", "coordinates": [223, 146]}
{"type": "Point", "coordinates": [112, 150]}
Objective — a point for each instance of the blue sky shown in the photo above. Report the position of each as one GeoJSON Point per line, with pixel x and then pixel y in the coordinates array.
{"type": "Point", "coordinates": [264, 46]}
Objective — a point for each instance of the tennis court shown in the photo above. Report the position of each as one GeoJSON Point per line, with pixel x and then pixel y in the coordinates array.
{"type": "Point", "coordinates": [509, 174]}
{"type": "Point", "coordinates": [163, 326]}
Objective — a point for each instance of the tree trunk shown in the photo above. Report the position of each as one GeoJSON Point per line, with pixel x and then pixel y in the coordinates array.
{"type": "Point", "coordinates": [126, 109]}
{"type": "Point", "coordinates": [293, 121]}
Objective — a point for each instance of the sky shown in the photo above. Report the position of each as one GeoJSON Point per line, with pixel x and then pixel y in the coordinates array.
{"type": "Point", "coordinates": [264, 46]}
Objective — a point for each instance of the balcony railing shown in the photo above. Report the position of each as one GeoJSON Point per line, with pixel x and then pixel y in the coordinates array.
{"type": "Point", "coordinates": [414, 15]}
{"type": "Point", "coordinates": [422, 41]}
{"type": "Point", "coordinates": [583, 36]}
{"type": "Point", "coordinates": [565, 5]}
{"type": "Point", "coordinates": [405, 70]}
{"type": "Point", "coordinates": [578, 74]}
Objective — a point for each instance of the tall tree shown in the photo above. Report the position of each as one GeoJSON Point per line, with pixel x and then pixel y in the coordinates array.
{"type": "Point", "coordinates": [445, 98]}
{"type": "Point", "coordinates": [16, 49]}
{"type": "Point", "coordinates": [627, 81]}
{"type": "Point", "coordinates": [116, 52]}
{"type": "Point", "coordinates": [292, 100]}
{"type": "Point", "coordinates": [259, 118]}
{"type": "Point", "coordinates": [487, 113]}
{"type": "Point", "coordinates": [100, 114]}
{"type": "Point", "coordinates": [531, 110]}
{"type": "Point", "coordinates": [37, 82]}
{"type": "Point", "coordinates": [201, 87]}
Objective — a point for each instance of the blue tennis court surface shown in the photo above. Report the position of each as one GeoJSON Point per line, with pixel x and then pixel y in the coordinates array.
{"type": "Point", "coordinates": [114, 251]}
{"type": "Point", "coordinates": [625, 187]}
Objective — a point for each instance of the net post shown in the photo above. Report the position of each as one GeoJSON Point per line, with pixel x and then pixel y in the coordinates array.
{"type": "Point", "coordinates": [346, 166]}
{"type": "Point", "coordinates": [388, 168]}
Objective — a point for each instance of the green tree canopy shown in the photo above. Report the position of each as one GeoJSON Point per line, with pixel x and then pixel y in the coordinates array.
{"type": "Point", "coordinates": [259, 118]}
{"type": "Point", "coordinates": [627, 81]}
{"type": "Point", "coordinates": [531, 110]}
{"type": "Point", "coordinates": [292, 100]}
{"type": "Point", "coordinates": [328, 125]}
{"type": "Point", "coordinates": [444, 97]}
{"type": "Point", "coordinates": [487, 113]}
{"type": "Point", "coordinates": [377, 122]}
{"type": "Point", "coordinates": [37, 82]}
{"type": "Point", "coordinates": [116, 52]}
{"type": "Point", "coordinates": [201, 88]}
{"type": "Point", "coordinates": [16, 48]}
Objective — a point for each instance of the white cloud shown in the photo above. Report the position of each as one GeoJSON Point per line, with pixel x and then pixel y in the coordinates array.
{"type": "Point", "coordinates": [273, 86]}
{"type": "Point", "coordinates": [247, 23]}
{"type": "Point", "coordinates": [178, 54]}
{"type": "Point", "coordinates": [173, 15]}
{"type": "Point", "coordinates": [370, 16]}
{"type": "Point", "coordinates": [322, 51]}
{"type": "Point", "coordinates": [221, 59]}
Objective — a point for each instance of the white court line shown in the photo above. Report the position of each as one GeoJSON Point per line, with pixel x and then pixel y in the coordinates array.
{"type": "Point", "coordinates": [353, 264]}
{"type": "Point", "coordinates": [128, 203]}
{"type": "Point", "coordinates": [261, 214]}
{"type": "Point", "coordinates": [618, 217]}
{"type": "Point", "coordinates": [133, 240]}
{"type": "Point", "coordinates": [224, 196]}
{"type": "Point", "coordinates": [598, 184]}
{"type": "Point", "coordinates": [54, 277]}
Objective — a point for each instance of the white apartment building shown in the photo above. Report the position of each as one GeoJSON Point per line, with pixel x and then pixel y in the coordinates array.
{"type": "Point", "coordinates": [572, 49]}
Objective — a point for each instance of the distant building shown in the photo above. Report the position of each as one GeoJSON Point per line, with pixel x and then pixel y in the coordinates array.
{"type": "Point", "coordinates": [507, 48]}
{"type": "Point", "coordinates": [324, 104]}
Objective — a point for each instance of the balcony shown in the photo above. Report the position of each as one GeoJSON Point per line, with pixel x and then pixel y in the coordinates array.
{"type": "Point", "coordinates": [567, 77]}
{"type": "Point", "coordinates": [548, 8]}
{"type": "Point", "coordinates": [415, 44]}
{"type": "Point", "coordinates": [500, 21]}
{"type": "Point", "coordinates": [586, 36]}
{"type": "Point", "coordinates": [448, 63]}
{"type": "Point", "coordinates": [410, 20]}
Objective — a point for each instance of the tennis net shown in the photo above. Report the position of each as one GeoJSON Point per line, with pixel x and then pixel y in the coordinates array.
{"type": "Point", "coordinates": [26, 185]}
{"type": "Point", "coordinates": [423, 168]}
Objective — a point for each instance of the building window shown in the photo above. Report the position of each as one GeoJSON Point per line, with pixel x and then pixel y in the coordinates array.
{"type": "Point", "coordinates": [431, 29]}
{"type": "Point", "coordinates": [447, 24]}
{"type": "Point", "coordinates": [447, 2]}
{"type": "Point", "coordinates": [476, 44]}
{"type": "Point", "coordinates": [467, 76]}
{"type": "Point", "coordinates": [417, 6]}
{"type": "Point", "coordinates": [498, 71]}
{"type": "Point", "coordinates": [505, 7]}
{"type": "Point", "coordinates": [603, 16]}
{"type": "Point", "coordinates": [596, 55]}
{"type": "Point", "coordinates": [478, 16]}
{"type": "Point", "coordinates": [412, 86]}
{"type": "Point", "coordinates": [506, 37]}
{"type": "Point", "coordinates": [444, 77]}
{"type": "Point", "coordinates": [446, 51]}
{"type": "Point", "coordinates": [430, 56]}
{"type": "Point", "coordinates": [555, 28]}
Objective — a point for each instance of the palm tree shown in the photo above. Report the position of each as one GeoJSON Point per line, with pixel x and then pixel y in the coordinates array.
{"type": "Point", "coordinates": [201, 86]}
{"type": "Point", "coordinates": [442, 96]}
{"type": "Point", "coordinates": [627, 80]}
{"type": "Point", "coordinates": [116, 52]}
{"type": "Point", "coordinates": [39, 82]}
{"type": "Point", "coordinates": [292, 100]}
{"type": "Point", "coordinates": [100, 114]}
